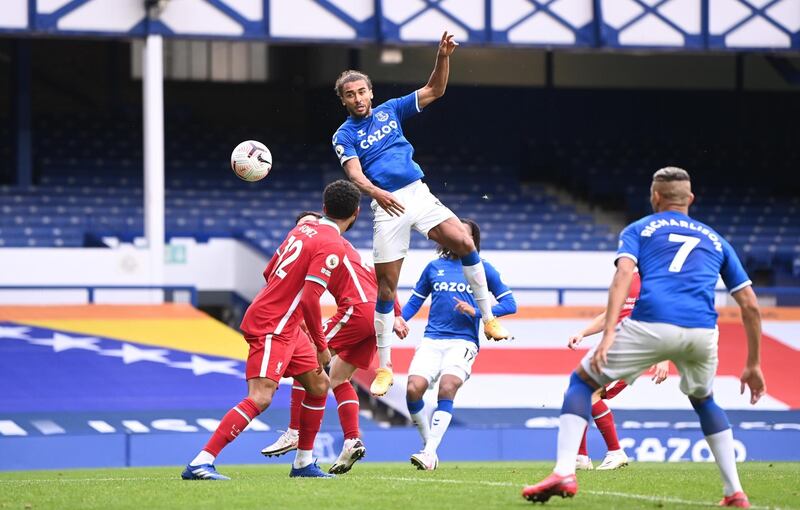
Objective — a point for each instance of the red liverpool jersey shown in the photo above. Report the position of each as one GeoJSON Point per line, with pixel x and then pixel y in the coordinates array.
{"type": "Point", "coordinates": [355, 282]}
{"type": "Point", "coordinates": [633, 296]}
{"type": "Point", "coordinates": [312, 251]}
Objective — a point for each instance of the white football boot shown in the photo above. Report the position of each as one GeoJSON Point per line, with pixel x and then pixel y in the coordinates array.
{"type": "Point", "coordinates": [425, 461]}
{"type": "Point", "coordinates": [583, 462]}
{"type": "Point", "coordinates": [614, 459]}
{"type": "Point", "coordinates": [353, 450]}
{"type": "Point", "coordinates": [286, 443]}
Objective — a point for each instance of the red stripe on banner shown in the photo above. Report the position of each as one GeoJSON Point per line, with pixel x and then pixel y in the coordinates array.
{"type": "Point", "coordinates": [778, 361]}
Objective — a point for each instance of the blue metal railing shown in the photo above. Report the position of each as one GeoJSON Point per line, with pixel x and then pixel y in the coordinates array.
{"type": "Point", "coordinates": [169, 290]}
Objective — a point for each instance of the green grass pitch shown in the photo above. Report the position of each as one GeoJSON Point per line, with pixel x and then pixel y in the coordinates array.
{"type": "Point", "coordinates": [383, 486]}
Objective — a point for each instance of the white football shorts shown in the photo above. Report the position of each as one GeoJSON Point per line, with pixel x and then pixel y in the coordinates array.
{"type": "Point", "coordinates": [434, 358]}
{"type": "Point", "coordinates": [392, 234]}
{"type": "Point", "coordinates": [640, 345]}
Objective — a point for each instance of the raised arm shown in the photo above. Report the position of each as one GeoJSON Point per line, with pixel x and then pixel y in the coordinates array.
{"type": "Point", "coordinates": [751, 317]}
{"type": "Point", "coordinates": [352, 167]}
{"type": "Point", "coordinates": [437, 83]}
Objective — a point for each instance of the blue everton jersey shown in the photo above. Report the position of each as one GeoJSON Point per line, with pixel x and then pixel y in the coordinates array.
{"type": "Point", "coordinates": [378, 142]}
{"type": "Point", "coordinates": [443, 279]}
{"type": "Point", "coordinates": [680, 261]}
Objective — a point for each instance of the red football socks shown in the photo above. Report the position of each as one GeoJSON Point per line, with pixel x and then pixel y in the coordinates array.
{"type": "Point", "coordinates": [582, 449]}
{"type": "Point", "coordinates": [347, 401]}
{"type": "Point", "coordinates": [232, 424]}
{"type": "Point", "coordinates": [605, 424]}
{"type": "Point", "coordinates": [298, 394]}
{"type": "Point", "coordinates": [311, 412]}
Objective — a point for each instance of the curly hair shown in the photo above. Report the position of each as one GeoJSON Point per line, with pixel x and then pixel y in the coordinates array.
{"type": "Point", "coordinates": [350, 76]}
{"type": "Point", "coordinates": [476, 238]}
{"type": "Point", "coordinates": [341, 199]}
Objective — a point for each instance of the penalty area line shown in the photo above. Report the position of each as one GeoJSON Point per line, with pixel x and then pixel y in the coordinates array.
{"type": "Point", "coordinates": [640, 497]}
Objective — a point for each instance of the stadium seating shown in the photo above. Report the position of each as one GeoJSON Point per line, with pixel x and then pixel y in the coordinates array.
{"type": "Point", "coordinates": [90, 187]}
{"type": "Point", "coordinates": [738, 188]}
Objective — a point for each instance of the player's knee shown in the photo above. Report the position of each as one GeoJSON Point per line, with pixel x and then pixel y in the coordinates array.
{"type": "Point", "coordinates": [386, 289]}
{"type": "Point", "coordinates": [337, 380]}
{"type": "Point", "coordinates": [448, 388]}
{"type": "Point", "coordinates": [697, 401]}
{"type": "Point", "coordinates": [468, 245]}
{"type": "Point", "coordinates": [261, 398]}
{"type": "Point", "coordinates": [319, 385]}
{"type": "Point", "coordinates": [414, 390]}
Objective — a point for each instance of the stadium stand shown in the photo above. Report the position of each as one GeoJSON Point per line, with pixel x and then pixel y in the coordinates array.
{"type": "Point", "coordinates": [90, 188]}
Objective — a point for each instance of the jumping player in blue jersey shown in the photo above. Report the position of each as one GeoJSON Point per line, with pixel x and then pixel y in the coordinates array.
{"type": "Point", "coordinates": [680, 261]}
{"type": "Point", "coordinates": [377, 157]}
{"type": "Point", "coordinates": [450, 344]}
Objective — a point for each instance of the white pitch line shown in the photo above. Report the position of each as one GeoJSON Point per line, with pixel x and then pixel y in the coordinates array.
{"type": "Point", "coordinates": [642, 497]}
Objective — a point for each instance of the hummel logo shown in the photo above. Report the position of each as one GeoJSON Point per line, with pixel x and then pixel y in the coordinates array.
{"type": "Point", "coordinates": [440, 272]}
{"type": "Point", "coordinates": [278, 367]}
{"type": "Point", "coordinates": [361, 132]}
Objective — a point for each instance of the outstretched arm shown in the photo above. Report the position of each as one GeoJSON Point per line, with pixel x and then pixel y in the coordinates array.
{"type": "Point", "coordinates": [596, 326]}
{"type": "Point", "coordinates": [437, 83]}
{"type": "Point", "coordinates": [751, 317]}
{"type": "Point", "coordinates": [387, 201]}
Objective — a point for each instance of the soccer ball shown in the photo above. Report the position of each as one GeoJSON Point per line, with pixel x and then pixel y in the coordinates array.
{"type": "Point", "coordinates": [251, 161]}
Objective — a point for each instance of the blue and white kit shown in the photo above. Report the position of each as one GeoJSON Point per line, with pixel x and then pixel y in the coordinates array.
{"type": "Point", "coordinates": [680, 260]}
{"type": "Point", "coordinates": [450, 342]}
{"type": "Point", "coordinates": [386, 157]}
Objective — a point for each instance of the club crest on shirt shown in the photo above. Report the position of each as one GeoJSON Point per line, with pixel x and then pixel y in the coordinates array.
{"type": "Point", "coordinates": [332, 261]}
{"type": "Point", "coordinates": [382, 116]}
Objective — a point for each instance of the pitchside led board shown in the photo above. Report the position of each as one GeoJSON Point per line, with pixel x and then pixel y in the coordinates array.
{"type": "Point", "coordinates": [670, 24]}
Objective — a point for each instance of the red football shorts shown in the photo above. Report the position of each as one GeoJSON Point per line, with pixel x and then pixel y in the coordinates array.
{"type": "Point", "coordinates": [285, 355]}
{"type": "Point", "coordinates": [351, 334]}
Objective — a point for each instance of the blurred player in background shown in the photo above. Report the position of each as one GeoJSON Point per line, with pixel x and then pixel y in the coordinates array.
{"type": "Point", "coordinates": [351, 340]}
{"type": "Point", "coordinates": [450, 344]}
{"type": "Point", "coordinates": [680, 260]}
{"type": "Point", "coordinates": [602, 415]}
{"type": "Point", "coordinates": [296, 277]}
{"type": "Point", "coordinates": [377, 157]}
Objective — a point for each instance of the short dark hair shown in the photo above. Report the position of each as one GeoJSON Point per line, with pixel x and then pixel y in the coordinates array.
{"type": "Point", "coordinates": [341, 199]}
{"type": "Point", "coordinates": [303, 214]}
{"type": "Point", "coordinates": [671, 174]}
{"type": "Point", "coordinates": [349, 76]}
{"type": "Point", "coordinates": [476, 238]}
